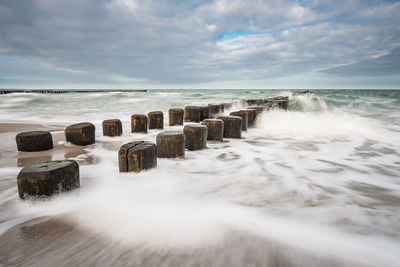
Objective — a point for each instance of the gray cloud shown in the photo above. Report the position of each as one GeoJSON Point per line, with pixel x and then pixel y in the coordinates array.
{"type": "Point", "coordinates": [179, 42]}
{"type": "Point", "coordinates": [384, 65]}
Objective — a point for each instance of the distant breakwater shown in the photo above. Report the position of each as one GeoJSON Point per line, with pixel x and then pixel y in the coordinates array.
{"type": "Point", "coordinates": [66, 91]}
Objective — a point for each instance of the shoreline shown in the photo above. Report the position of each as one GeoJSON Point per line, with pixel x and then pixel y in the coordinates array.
{"type": "Point", "coordinates": [10, 157]}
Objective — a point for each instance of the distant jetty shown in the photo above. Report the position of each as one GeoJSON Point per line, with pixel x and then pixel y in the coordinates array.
{"type": "Point", "coordinates": [66, 91]}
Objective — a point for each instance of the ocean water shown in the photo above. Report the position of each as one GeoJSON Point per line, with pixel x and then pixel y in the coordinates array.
{"type": "Point", "coordinates": [316, 185]}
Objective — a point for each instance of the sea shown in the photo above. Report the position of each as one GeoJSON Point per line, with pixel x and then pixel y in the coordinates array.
{"type": "Point", "coordinates": [315, 185]}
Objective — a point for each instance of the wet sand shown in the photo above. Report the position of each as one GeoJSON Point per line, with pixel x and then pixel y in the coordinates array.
{"type": "Point", "coordinates": [57, 242]}
{"type": "Point", "coordinates": [31, 237]}
{"type": "Point", "coordinates": [9, 156]}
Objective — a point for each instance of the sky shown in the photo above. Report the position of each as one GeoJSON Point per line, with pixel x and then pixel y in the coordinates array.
{"type": "Point", "coordinates": [200, 44]}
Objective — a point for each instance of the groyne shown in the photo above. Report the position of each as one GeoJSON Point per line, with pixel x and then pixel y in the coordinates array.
{"type": "Point", "coordinates": [65, 91]}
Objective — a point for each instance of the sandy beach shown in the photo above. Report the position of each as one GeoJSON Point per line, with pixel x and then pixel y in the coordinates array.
{"type": "Point", "coordinates": [11, 157]}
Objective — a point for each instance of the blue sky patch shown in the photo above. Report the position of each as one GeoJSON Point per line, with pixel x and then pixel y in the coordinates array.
{"type": "Point", "coordinates": [233, 35]}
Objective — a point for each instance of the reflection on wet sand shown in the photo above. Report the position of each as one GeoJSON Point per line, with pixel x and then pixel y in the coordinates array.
{"type": "Point", "coordinates": [58, 242]}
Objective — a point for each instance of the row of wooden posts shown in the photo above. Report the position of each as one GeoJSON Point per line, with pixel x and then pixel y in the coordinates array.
{"type": "Point", "coordinates": [47, 178]}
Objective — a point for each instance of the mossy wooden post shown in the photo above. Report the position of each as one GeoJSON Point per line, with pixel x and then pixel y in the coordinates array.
{"type": "Point", "coordinates": [215, 110]}
{"type": "Point", "coordinates": [156, 120]}
{"type": "Point", "coordinates": [80, 134]}
{"type": "Point", "coordinates": [175, 116]}
{"type": "Point", "coordinates": [244, 114]}
{"type": "Point", "coordinates": [136, 156]}
{"type": "Point", "coordinates": [46, 179]}
{"type": "Point", "coordinates": [112, 127]}
{"type": "Point", "coordinates": [215, 129]}
{"type": "Point", "coordinates": [205, 112]}
{"type": "Point", "coordinates": [192, 113]}
{"type": "Point", "coordinates": [195, 136]}
{"type": "Point", "coordinates": [171, 144]}
{"type": "Point", "coordinates": [252, 115]}
{"type": "Point", "coordinates": [232, 126]}
{"type": "Point", "coordinates": [138, 123]}
{"type": "Point", "coordinates": [34, 141]}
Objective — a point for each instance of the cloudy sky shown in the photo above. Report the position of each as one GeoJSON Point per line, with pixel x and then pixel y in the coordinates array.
{"type": "Point", "coordinates": [199, 44]}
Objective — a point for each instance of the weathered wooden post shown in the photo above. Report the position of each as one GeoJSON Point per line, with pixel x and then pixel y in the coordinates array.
{"type": "Point", "coordinates": [205, 112]}
{"type": "Point", "coordinates": [192, 113]}
{"type": "Point", "coordinates": [251, 101]}
{"type": "Point", "coordinates": [259, 110]}
{"type": "Point", "coordinates": [228, 105]}
{"type": "Point", "coordinates": [267, 102]}
{"type": "Point", "coordinates": [34, 141]}
{"type": "Point", "coordinates": [138, 123]}
{"type": "Point", "coordinates": [215, 129]}
{"type": "Point", "coordinates": [252, 115]}
{"type": "Point", "coordinates": [232, 126]}
{"type": "Point", "coordinates": [80, 134]}
{"type": "Point", "coordinates": [283, 102]}
{"type": "Point", "coordinates": [175, 116]}
{"type": "Point", "coordinates": [45, 179]}
{"type": "Point", "coordinates": [170, 144]}
{"type": "Point", "coordinates": [156, 120]}
{"type": "Point", "coordinates": [112, 127]}
{"type": "Point", "coordinates": [215, 109]}
{"type": "Point", "coordinates": [222, 107]}
{"type": "Point", "coordinates": [259, 102]}
{"type": "Point", "coordinates": [136, 156]}
{"type": "Point", "coordinates": [280, 103]}
{"type": "Point", "coordinates": [195, 136]}
{"type": "Point", "coordinates": [244, 114]}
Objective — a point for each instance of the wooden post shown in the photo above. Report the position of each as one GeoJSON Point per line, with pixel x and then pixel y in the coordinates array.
{"type": "Point", "coordinates": [195, 136]}
{"type": "Point", "coordinates": [215, 129]}
{"type": "Point", "coordinates": [228, 105]}
{"type": "Point", "coordinates": [138, 123]}
{"type": "Point", "coordinates": [112, 127]}
{"type": "Point", "coordinates": [259, 110]}
{"type": "Point", "coordinates": [205, 112]}
{"type": "Point", "coordinates": [137, 156]}
{"type": "Point", "coordinates": [171, 144]}
{"type": "Point", "coordinates": [156, 120]}
{"type": "Point", "coordinates": [244, 114]}
{"type": "Point", "coordinates": [45, 179]}
{"type": "Point", "coordinates": [232, 126]}
{"type": "Point", "coordinates": [80, 134]}
{"type": "Point", "coordinates": [192, 113]}
{"type": "Point", "coordinates": [34, 141]}
{"type": "Point", "coordinates": [215, 110]}
{"type": "Point", "coordinates": [175, 116]}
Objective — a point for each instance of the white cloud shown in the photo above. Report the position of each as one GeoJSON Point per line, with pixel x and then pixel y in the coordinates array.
{"type": "Point", "coordinates": [179, 42]}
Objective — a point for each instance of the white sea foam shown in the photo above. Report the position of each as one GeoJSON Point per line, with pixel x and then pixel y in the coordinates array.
{"type": "Point", "coordinates": [320, 124]}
